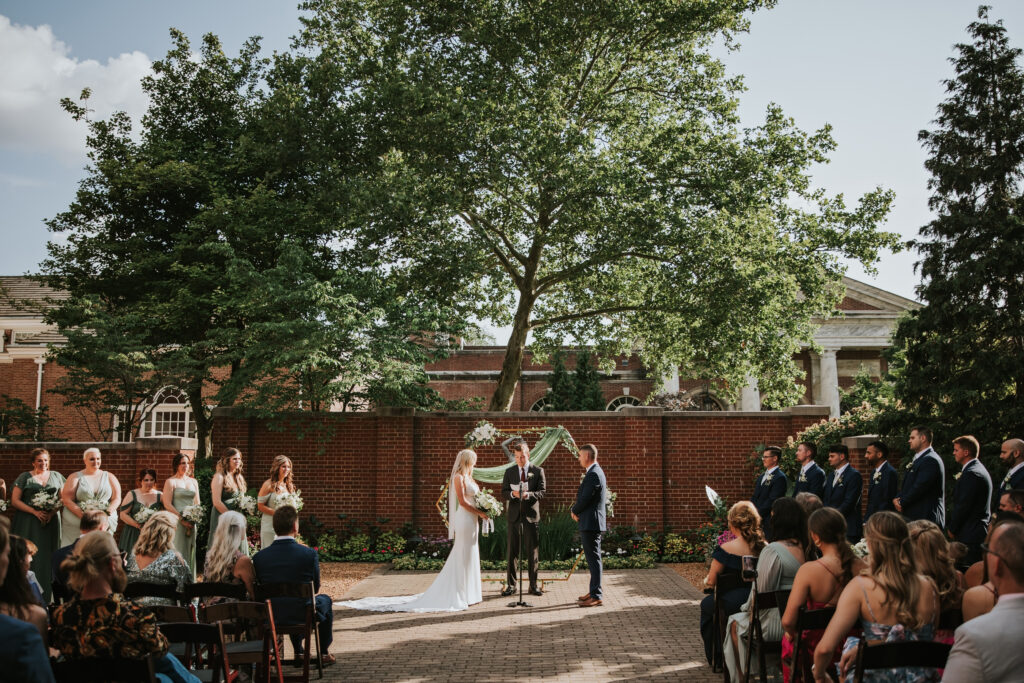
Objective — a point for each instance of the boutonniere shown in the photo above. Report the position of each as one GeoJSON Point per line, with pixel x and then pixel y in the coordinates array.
{"type": "Point", "coordinates": [531, 475]}
{"type": "Point", "coordinates": [910, 464]}
{"type": "Point", "coordinates": [956, 477]}
{"type": "Point", "coordinates": [840, 482]}
{"type": "Point", "coordinates": [581, 477]}
{"type": "Point", "coordinates": [767, 479]}
{"type": "Point", "coordinates": [803, 478]}
{"type": "Point", "coordinates": [1006, 479]}
{"type": "Point", "coordinates": [877, 476]}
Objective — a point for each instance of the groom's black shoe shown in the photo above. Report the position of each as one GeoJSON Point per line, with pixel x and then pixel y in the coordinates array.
{"type": "Point", "coordinates": [508, 591]}
{"type": "Point", "coordinates": [536, 591]}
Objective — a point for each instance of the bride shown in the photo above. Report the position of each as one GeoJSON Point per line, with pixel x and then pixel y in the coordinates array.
{"type": "Point", "coordinates": [458, 585]}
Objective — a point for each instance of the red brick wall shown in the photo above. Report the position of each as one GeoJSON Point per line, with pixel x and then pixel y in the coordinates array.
{"type": "Point", "coordinates": [393, 463]}
{"type": "Point", "coordinates": [18, 380]}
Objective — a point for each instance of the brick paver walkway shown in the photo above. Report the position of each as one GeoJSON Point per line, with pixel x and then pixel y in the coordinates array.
{"type": "Point", "coordinates": [646, 630]}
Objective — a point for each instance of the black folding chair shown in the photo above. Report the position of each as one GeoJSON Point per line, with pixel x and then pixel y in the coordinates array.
{"type": "Point", "coordinates": [807, 620]}
{"type": "Point", "coordinates": [950, 619]}
{"type": "Point", "coordinates": [144, 589]}
{"type": "Point", "coordinates": [724, 583]}
{"type": "Point", "coordinates": [104, 670]}
{"type": "Point", "coordinates": [910, 653]}
{"type": "Point", "coordinates": [306, 629]}
{"type": "Point", "coordinates": [240, 621]}
{"type": "Point", "coordinates": [214, 589]}
{"type": "Point", "coordinates": [204, 649]}
{"type": "Point", "coordinates": [172, 613]}
{"type": "Point", "coordinates": [755, 632]}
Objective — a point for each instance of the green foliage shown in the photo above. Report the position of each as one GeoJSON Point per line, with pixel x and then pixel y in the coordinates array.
{"type": "Point", "coordinates": [21, 422]}
{"type": "Point", "coordinates": [563, 387]}
{"type": "Point", "coordinates": [419, 563]}
{"type": "Point", "coordinates": [494, 545]}
{"type": "Point", "coordinates": [963, 351]}
{"type": "Point", "coordinates": [556, 534]}
{"type": "Point", "coordinates": [588, 383]}
{"type": "Point", "coordinates": [867, 389]}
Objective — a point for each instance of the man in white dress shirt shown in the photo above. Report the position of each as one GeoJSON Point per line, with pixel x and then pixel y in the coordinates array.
{"type": "Point", "coordinates": [988, 648]}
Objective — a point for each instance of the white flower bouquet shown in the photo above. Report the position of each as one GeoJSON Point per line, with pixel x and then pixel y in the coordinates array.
{"type": "Point", "coordinates": [292, 500]}
{"type": "Point", "coordinates": [194, 514]}
{"type": "Point", "coordinates": [95, 504]}
{"type": "Point", "coordinates": [3, 505]}
{"type": "Point", "coordinates": [483, 434]}
{"type": "Point", "coordinates": [143, 514]}
{"type": "Point", "coordinates": [609, 503]}
{"type": "Point", "coordinates": [246, 504]}
{"type": "Point", "coordinates": [485, 500]}
{"type": "Point", "coordinates": [46, 501]}
{"type": "Point", "coordinates": [861, 548]}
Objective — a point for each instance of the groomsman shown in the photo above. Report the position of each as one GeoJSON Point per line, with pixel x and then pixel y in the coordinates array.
{"type": "Point", "coordinates": [843, 490]}
{"type": "Point", "coordinates": [969, 519]}
{"type": "Point", "coordinates": [589, 513]}
{"type": "Point", "coordinates": [770, 486]}
{"type": "Point", "coordinates": [884, 479]}
{"type": "Point", "coordinates": [1012, 455]}
{"type": "Point", "coordinates": [923, 495]}
{"type": "Point", "coordinates": [811, 478]}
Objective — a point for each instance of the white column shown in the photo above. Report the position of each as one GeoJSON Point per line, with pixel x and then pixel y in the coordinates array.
{"type": "Point", "coordinates": [671, 381]}
{"type": "Point", "coordinates": [815, 379]}
{"type": "Point", "coordinates": [750, 396]}
{"type": "Point", "coordinates": [830, 381]}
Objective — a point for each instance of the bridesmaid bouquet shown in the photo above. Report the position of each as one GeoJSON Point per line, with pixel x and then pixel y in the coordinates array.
{"type": "Point", "coordinates": [485, 501]}
{"type": "Point", "coordinates": [194, 514]}
{"type": "Point", "coordinates": [143, 514]}
{"type": "Point", "coordinates": [246, 504]}
{"type": "Point", "coordinates": [95, 504]}
{"type": "Point", "coordinates": [3, 505]}
{"type": "Point", "coordinates": [45, 501]}
{"type": "Point", "coordinates": [291, 499]}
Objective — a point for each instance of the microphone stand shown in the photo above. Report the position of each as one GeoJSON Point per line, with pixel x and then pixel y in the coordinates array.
{"type": "Point", "coordinates": [522, 530]}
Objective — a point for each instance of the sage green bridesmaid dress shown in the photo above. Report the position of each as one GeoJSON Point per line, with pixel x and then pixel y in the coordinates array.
{"type": "Point", "coordinates": [129, 534]}
{"type": "Point", "coordinates": [185, 539]}
{"type": "Point", "coordinates": [47, 538]}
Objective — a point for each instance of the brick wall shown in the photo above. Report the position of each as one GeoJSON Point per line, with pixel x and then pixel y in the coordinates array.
{"type": "Point", "coordinates": [392, 463]}
{"type": "Point", "coordinates": [18, 380]}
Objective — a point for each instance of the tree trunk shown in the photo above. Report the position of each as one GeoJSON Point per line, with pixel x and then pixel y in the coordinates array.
{"type": "Point", "coordinates": [204, 423]}
{"type": "Point", "coordinates": [512, 367]}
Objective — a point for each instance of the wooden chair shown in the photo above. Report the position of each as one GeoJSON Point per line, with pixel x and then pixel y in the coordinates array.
{"type": "Point", "coordinates": [204, 591]}
{"type": "Point", "coordinates": [807, 620]}
{"type": "Point", "coordinates": [172, 613]}
{"type": "Point", "coordinates": [204, 656]}
{"type": "Point", "coordinates": [911, 653]}
{"type": "Point", "coordinates": [724, 584]}
{"type": "Point", "coordinates": [143, 589]}
{"type": "Point", "coordinates": [950, 619]}
{"type": "Point", "coordinates": [104, 670]}
{"type": "Point", "coordinates": [306, 629]}
{"type": "Point", "coordinates": [755, 632]}
{"type": "Point", "coordinates": [240, 620]}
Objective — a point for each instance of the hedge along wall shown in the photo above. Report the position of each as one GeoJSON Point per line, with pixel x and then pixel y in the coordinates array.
{"type": "Point", "coordinates": [393, 463]}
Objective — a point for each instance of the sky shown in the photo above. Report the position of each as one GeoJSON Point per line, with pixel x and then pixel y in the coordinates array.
{"type": "Point", "coordinates": [873, 69]}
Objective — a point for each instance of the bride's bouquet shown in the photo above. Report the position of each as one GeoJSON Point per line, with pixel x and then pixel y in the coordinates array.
{"type": "Point", "coordinates": [485, 501]}
{"type": "Point", "coordinates": [246, 504]}
{"type": "Point", "coordinates": [194, 514]}
{"type": "Point", "coordinates": [143, 515]}
{"type": "Point", "coordinates": [45, 501]}
{"type": "Point", "coordinates": [291, 499]}
{"type": "Point", "coordinates": [95, 504]}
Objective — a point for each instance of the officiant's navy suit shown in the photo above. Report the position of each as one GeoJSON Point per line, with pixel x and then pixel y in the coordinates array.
{"type": "Point", "coordinates": [288, 561]}
{"type": "Point", "coordinates": [882, 491]}
{"type": "Point", "coordinates": [814, 481]}
{"type": "Point", "coordinates": [845, 496]}
{"type": "Point", "coordinates": [923, 495]}
{"type": "Point", "coordinates": [765, 496]}
{"type": "Point", "coordinates": [589, 508]}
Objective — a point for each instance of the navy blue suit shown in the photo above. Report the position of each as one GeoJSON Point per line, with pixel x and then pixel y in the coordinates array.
{"type": "Point", "coordinates": [59, 579]}
{"type": "Point", "coordinates": [589, 508]}
{"type": "Point", "coordinates": [1016, 482]}
{"type": "Point", "coordinates": [288, 561]}
{"type": "Point", "coordinates": [23, 658]}
{"type": "Point", "coordinates": [765, 494]}
{"type": "Point", "coordinates": [845, 496]}
{"type": "Point", "coordinates": [882, 490]}
{"type": "Point", "coordinates": [814, 481]}
{"type": "Point", "coordinates": [923, 494]}
{"type": "Point", "coordinates": [968, 521]}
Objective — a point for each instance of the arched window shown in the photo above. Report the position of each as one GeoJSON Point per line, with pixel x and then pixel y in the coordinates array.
{"type": "Point", "coordinates": [705, 401]}
{"type": "Point", "coordinates": [620, 402]}
{"type": "Point", "coordinates": [169, 414]}
{"type": "Point", "coordinates": [541, 405]}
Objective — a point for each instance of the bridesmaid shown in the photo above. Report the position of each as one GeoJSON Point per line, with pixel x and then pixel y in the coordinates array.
{"type": "Point", "coordinates": [40, 527]}
{"type": "Point", "coordinates": [145, 496]}
{"type": "Point", "coordinates": [280, 483]}
{"type": "Point", "coordinates": [94, 484]}
{"type": "Point", "coordinates": [180, 491]}
{"type": "Point", "coordinates": [227, 486]}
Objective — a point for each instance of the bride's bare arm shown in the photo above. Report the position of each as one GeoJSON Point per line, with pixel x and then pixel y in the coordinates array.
{"type": "Point", "coordinates": [460, 491]}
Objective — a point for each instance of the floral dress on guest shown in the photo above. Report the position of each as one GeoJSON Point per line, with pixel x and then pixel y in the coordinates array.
{"type": "Point", "coordinates": [168, 569]}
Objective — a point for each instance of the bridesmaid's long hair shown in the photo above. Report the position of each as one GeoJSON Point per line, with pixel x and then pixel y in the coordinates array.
{"type": "Point", "coordinates": [275, 472]}
{"type": "Point", "coordinates": [233, 481]}
{"type": "Point", "coordinates": [893, 566]}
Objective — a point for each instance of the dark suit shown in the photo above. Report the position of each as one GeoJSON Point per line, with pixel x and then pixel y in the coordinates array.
{"type": "Point", "coordinates": [589, 508]}
{"type": "Point", "coordinates": [765, 494]}
{"type": "Point", "coordinates": [1016, 482]}
{"type": "Point", "coordinates": [59, 579]}
{"type": "Point", "coordinates": [881, 490]}
{"type": "Point", "coordinates": [813, 481]}
{"type": "Point", "coordinates": [288, 561]}
{"type": "Point", "coordinates": [23, 657]}
{"type": "Point", "coordinates": [845, 496]}
{"type": "Point", "coordinates": [923, 494]}
{"type": "Point", "coordinates": [968, 521]}
{"type": "Point", "coordinates": [529, 510]}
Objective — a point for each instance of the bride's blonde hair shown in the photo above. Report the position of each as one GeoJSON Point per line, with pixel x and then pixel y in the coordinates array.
{"type": "Point", "coordinates": [464, 461]}
{"type": "Point", "coordinates": [464, 466]}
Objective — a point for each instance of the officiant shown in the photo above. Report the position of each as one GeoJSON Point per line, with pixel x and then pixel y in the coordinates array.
{"type": "Point", "coordinates": [522, 488]}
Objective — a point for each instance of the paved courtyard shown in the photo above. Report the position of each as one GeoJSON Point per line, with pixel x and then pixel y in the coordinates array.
{"type": "Point", "coordinates": [646, 630]}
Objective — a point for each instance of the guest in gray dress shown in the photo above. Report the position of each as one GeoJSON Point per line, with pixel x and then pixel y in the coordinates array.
{"type": "Point", "coordinates": [155, 560]}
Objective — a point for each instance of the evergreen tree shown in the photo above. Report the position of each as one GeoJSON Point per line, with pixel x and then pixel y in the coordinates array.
{"type": "Point", "coordinates": [964, 349]}
{"type": "Point", "coordinates": [588, 383]}
{"type": "Point", "coordinates": [563, 386]}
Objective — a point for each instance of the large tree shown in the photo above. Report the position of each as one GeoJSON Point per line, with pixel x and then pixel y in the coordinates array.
{"type": "Point", "coordinates": [964, 349]}
{"type": "Point", "coordinates": [580, 168]}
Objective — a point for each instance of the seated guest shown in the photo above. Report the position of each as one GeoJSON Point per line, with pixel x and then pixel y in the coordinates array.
{"type": "Point", "coordinates": [37, 590]}
{"type": "Point", "coordinates": [287, 561]}
{"type": "Point", "coordinates": [988, 648]}
{"type": "Point", "coordinates": [745, 525]}
{"type": "Point", "coordinates": [932, 554]}
{"type": "Point", "coordinates": [16, 597]}
{"type": "Point", "coordinates": [810, 503]}
{"type": "Point", "coordinates": [777, 566]}
{"type": "Point", "coordinates": [23, 656]}
{"type": "Point", "coordinates": [154, 559]}
{"type": "Point", "coordinates": [818, 584]}
{"type": "Point", "coordinates": [225, 563]}
{"type": "Point", "coordinates": [91, 520]}
{"type": "Point", "coordinates": [892, 601]}
{"type": "Point", "coordinates": [981, 598]}
{"type": "Point", "coordinates": [99, 621]}
{"type": "Point", "coordinates": [977, 573]}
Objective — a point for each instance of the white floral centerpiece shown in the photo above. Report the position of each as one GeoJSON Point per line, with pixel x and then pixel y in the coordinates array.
{"type": "Point", "coordinates": [484, 434]}
{"type": "Point", "coordinates": [485, 500]}
{"type": "Point", "coordinates": [46, 501]}
{"type": "Point", "coordinates": [143, 515]}
{"type": "Point", "coordinates": [194, 514]}
{"type": "Point", "coordinates": [291, 499]}
{"type": "Point", "coordinates": [95, 504]}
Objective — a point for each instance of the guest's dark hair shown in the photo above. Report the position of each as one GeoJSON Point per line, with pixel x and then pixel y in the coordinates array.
{"type": "Point", "coordinates": [91, 520]}
{"type": "Point", "coordinates": [923, 431]}
{"type": "Point", "coordinates": [284, 520]}
{"type": "Point", "coordinates": [829, 526]}
{"type": "Point", "coordinates": [36, 452]}
{"type": "Point", "coordinates": [881, 448]}
{"type": "Point", "coordinates": [590, 448]}
{"type": "Point", "coordinates": [789, 521]}
{"type": "Point", "coordinates": [15, 591]}
{"type": "Point", "coordinates": [811, 447]}
{"type": "Point", "coordinates": [773, 450]}
{"type": "Point", "coordinates": [840, 449]}
{"type": "Point", "coordinates": [1016, 496]}
{"type": "Point", "coordinates": [176, 461]}
{"type": "Point", "coordinates": [143, 473]}
{"type": "Point", "coordinates": [969, 443]}
{"type": "Point", "coordinates": [808, 501]}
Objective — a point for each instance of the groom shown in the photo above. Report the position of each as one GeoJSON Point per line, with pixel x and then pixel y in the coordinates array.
{"type": "Point", "coordinates": [589, 512]}
{"type": "Point", "coordinates": [526, 509]}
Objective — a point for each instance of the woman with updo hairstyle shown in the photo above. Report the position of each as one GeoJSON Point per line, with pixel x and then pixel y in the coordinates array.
{"type": "Point", "coordinates": [145, 496]}
{"type": "Point", "coordinates": [226, 490]}
{"type": "Point", "coordinates": [819, 584]}
{"type": "Point", "coordinates": [225, 563]}
{"type": "Point", "coordinates": [745, 524]}
{"type": "Point", "coordinates": [180, 491]}
{"type": "Point", "coordinates": [154, 559]}
{"type": "Point", "coordinates": [893, 601]}
{"type": "Point", "coordinates": [279, 484]}
{"type": "Point", "coordinates": [42, 527]}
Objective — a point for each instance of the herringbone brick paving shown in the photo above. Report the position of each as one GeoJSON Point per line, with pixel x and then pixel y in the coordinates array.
{"type": "Point", "coordinates": [646, 630]}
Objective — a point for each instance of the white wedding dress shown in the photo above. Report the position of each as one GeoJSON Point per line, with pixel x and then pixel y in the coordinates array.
{"type": "Point", "coordinates": [457, 586]}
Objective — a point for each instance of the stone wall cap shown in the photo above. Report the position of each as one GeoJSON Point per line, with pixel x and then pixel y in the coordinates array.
{"type": "Point", "coordinates": [824, 411]}
{"type": "Point", "coordinates": [859, 442]}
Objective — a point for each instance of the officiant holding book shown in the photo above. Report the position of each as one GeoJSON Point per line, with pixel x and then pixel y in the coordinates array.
{"type": "Point", "coordinates": [522, 488]}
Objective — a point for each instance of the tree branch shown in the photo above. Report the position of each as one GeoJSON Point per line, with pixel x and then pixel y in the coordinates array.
{"type": "Point", "coordinates": [585, 314]}
{"type": "Point", "coordinates": [478, 224]}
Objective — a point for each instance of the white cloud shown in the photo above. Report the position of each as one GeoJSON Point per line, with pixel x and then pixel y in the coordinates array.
{"type": "Point", "coordinates": [39, 71]}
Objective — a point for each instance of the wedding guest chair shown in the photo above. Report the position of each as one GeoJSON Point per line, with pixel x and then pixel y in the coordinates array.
{"type": "Point", "coordinates": [755, 632]}
{"type": "Point", "coordinates": [911, 653]}
{"type": "Point", "coordinates": [105, 670]}
{"type": "Point", "coordinates": [807, 620]}
{"type": "Point", "coordinates": [204, 650]}
{"type": "Point", "coordinates": [172, 613]}
{"type": "Point", "coordinates": [213, 589]}
{"type": "Point", "coordinates": [719, 619]}
{"type": "Point", "coordinates": [305, 629]}
{"type": "Point", "coordinates": [143, 589]}
{"type": "Point", "coordinates": [242, 620]}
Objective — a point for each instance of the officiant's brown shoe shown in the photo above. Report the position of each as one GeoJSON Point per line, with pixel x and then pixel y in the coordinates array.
{"type": "Point", "coordinates": [590, 602]}
{"type": "Point", "coordinates": [583, 597]}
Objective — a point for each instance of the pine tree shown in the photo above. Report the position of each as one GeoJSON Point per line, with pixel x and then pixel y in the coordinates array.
{"type": "Point", "coordinates": [588, 383]}
{"type": "Point", "coordinates": [563, 386]}
{"type": "Point", "coordinates": [964, 348]}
